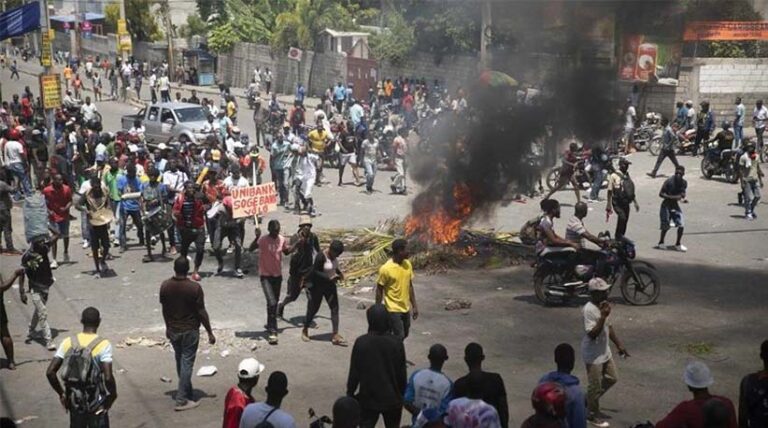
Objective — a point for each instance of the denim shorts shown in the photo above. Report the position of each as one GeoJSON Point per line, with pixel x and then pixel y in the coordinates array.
{"type": "Point", "coordinates": [61, 227]}
{"type": "Point", "coordinates": [670, 218]}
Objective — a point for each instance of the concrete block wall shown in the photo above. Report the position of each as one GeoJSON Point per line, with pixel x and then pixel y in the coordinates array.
{"type": "Point", "coordinates": [452, 71]}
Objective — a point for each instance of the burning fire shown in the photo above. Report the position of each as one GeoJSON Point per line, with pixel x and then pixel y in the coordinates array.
{"type": "Point", "coordinates": [437, 224]}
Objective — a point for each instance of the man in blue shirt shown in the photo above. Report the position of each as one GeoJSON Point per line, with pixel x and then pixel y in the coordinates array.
{"type": "Point", "coordinates": [129, 187]}
{"type": "Point", "coordinates": [339, 94]}
{"type": "Point", "coordinates": [300, 93]}
{"type": "Point", "coordinates": [429, 390]}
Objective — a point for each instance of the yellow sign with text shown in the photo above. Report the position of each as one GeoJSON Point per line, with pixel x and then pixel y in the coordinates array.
{"type": "Point", "coordinates": [124, 43]}
{"type": "Point", "coordinates": [50, 88]}
{"type": "Point", "coordinates": [122, 28]}
{"type": "Point", "coordinates": [45, 55]}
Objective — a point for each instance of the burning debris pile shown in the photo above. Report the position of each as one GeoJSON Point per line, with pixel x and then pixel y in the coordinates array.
{"type": "Point", "coordinates": [433, 250]}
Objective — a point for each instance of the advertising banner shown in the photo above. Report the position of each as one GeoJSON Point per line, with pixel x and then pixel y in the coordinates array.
{"type": "Point", "coordinates": [50, 88]}
{"type": "Point", "coordinates": [45, 54]}
{"type": "Point", "coordinates": [254, 200]}
{"type": "Point", "coordinates": [726, 30]}
{"type": "Point", "coordinates": [646, 59]}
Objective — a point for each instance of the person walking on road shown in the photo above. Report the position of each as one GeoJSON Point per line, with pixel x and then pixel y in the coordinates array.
{"type": "Point", "coordinates": [165, 88]}
{"type": "Point", "coordinates": [189, 212]}
{"type": "Point", "coordinates": [37, 269]}
{"type": "Point", "coordinates": [5, 335]}
{"type": "Point", "coordinates": [322, 284]}
{"type": "Point", "coordinates": [239, 396]}
{"type": "Point", "coordinates": [673, 192]}
{"type": "Point", "coordinates": [90, 388]}
{"type": "Point", "coordinates": [183, 303]}
{"type": "Point", "coordinates": [753, 408]}
{"type": "Point", "coordinates": [596, 350]}
{"type": "Point", "coordinates": [691, 413]}
{"type": "Point", "coordinates": [738, 124]}
{"type": "Point", "coordinates": [377, 372]}
{"type": "Point", "coordinates": [751, 180]}
{"type": "Point", "coordinates": [15, 70]}
{"type": "Point", "coordinates": [668, 139]}
{"type": "Point", "coordinates": [268, 413]}
{"type": "Point", "coordinates": [394, 287]}
{"type": "Point", "coordinates": [58, 198]}
{"type": "Point", "coordinates": [305, 245]}
{"type": "Point", "coordinates": [621, 193]}
{"type": "Point", "coordinates": [492, 389]}
{"type": "Point", "coordinates": [759, 119]}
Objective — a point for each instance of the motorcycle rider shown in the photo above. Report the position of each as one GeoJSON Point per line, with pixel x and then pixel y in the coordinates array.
{"type": "Point", "coordinates": [548, 242]}
{"type": "Point", "coordinates": [70, 103]}
{"type": "Point", "coordinates": [571, 159]}
{"type": "Point", "coordinates": [724, 138]}
{"type": "Point", "coordinates": [668, 139]}
{"type": "Point", "coordinates": [575, 231]}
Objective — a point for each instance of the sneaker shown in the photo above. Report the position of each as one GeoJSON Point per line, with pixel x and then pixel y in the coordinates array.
{"type": "Point", "coordinates": [650, 174]}
{"type": "Point", "coordinates": [50, 346]}
{"type": "Point", "coordinates": [66, 258]}
{"type": "Point", "coordinates": [272, 339]}
{"type": "Point", "coordinates": [748, 216]}
{"type": "Point", "coordinates": [239, 273]}
{"type": "Point", "coordinates": [682, 248]}
{"type": "Point", "coordinates": [219, 269]}
{"type": "Point", "coordinates": [660, 247]}
{"type": "Point", "coordinates": [230, 250]}
{"type": "Point", "coordinates": [54, 264]}
{"type": "Point", "coordinates": [305, 336]}
{"type": "Point", "coordinates": [596, 422]}
{"type": "Point", "coordinates": [187, 406]}
{"type": "Point", "coordinates": [196, 276]}
{"type": "Point", "coordinates": [86, 245]}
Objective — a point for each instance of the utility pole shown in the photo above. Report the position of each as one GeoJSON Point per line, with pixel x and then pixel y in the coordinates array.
{"type": "Point", "coordinates": [47, 68]}
{"type": "Point", "coordinates": [73, 42]}
{"type": "Point", "coordinates": [122, 16]}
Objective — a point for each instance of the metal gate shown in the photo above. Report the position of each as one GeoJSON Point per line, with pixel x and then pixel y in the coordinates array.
{"type": "Point", "coordinates": [362, 73]}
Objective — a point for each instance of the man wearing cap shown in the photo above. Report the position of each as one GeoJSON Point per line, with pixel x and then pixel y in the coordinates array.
{"type": "Point", "coordinates": [269, 411]}
{"type": "Point", "coordinates": [690, 413]}
{"type": "Point", "coordinates": [596, 351]}
{"type": "Point", "coordinates": [239, 395]}
{"type": "Point", "coordinates": [429, 389]}
{"type": "Point", "coordinates": [621, 193]}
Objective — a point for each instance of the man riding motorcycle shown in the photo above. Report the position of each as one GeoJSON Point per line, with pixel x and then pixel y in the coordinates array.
{"type": "Point", "coordinates": [548, 242]}
{"type": "Point", "coordinates": [69, 102]}
{"type": "Point", "coordinates": [577, 232]}
{"type": "Point", "coordinates": [724, 138]}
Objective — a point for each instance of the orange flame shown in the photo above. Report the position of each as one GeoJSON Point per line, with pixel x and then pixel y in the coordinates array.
{"type": "Point", "coordinates": [439, 225]}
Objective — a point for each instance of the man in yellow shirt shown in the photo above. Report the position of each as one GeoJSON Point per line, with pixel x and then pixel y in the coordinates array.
{"type": "Point", "coordinates": [395, 289]}
{"type": "Point", "coordinates": [67, 72]}
{"type": "Point", "coordinates": [89, 404]}
{"type": "Point", "coordinates": [232, 110]}
{"type": "Point", "coordinates": [318, 140]}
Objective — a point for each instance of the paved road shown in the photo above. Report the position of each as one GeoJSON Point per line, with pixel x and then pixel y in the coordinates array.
{"type": "Point", "coordinates": [711, 295]}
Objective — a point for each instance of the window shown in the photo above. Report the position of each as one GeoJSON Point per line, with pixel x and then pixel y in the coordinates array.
{"type": "Point", "coordinates": [153, 113]}
{"type": "Point", "coordinates": [167, 114]}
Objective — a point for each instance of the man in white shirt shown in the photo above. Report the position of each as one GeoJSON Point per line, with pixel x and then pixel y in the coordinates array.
{"type": "Point", "coordinates": [595, 349]}
{"type": "Point", "coordinates": [88, 110]}
{"type": "Point", "coordinates": [759, 118]}
{"type": "Point", "coordinates": [15, 159]}
{"type": "Point", "coordinates": [630, 116]}
{"type": "Point", "coordinates": [269, 410]}
{"type": "Point", "coordinates": [429, 388]}
{"type": "Point", "coordinates": [153, 86]}
{"type": "Point", "coordinates": [235, 178]}
{"type": "Point", "coordinates": [165, 88]}
{"type": "Point", "coordinates": [738, 124]}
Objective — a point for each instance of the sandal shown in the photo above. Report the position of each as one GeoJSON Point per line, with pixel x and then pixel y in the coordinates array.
{"type": "Point", "coordinates": [339, 341]}
{"type": "Point", "coordinates": [305, 336]}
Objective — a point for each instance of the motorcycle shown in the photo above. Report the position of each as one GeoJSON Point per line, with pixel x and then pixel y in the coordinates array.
{"type": "Point", "coordinates": [558, 278]}
{"type": "Point", "coordinates": [582, 174]}
{"type": "Point", "coordinates": [717, 162]}
{"type": "Point", "coordinates": [253, 99]}
{"type": "Point", "coordinates": [682, 144]}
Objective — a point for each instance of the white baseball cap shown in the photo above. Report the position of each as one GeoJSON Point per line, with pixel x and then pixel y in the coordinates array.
{"type": "Point", "coordinates": [249, 368]}
{"type": "Point", "coordinates": [598, 284]}
{"type": "Point", "coordinates": [697, 375]}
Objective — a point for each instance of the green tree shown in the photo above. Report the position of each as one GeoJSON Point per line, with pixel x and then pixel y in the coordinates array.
{"type": "Point", "coordinates": [395, 42]}
{"type": "Point", "coordinates": [141, 21]}
{"type": "Point", "coordinates": [195, 26]}
{"type": "Point", "coordinates": [222, 38]}
{"type": "Point", "coordinates": [300, 26]}
{"type": "Point", "coordinates": [111, 15]}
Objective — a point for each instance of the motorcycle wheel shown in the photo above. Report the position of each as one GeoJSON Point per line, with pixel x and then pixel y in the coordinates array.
{"type": "Point", "coordinates": [731, 176]}
{"type": "Point", "coordinates": [706, 171]}
{"type": "Point", "coordinates": [553, 177]}
{"type": "Point", "coordinates": [655, 146]}
{"type": "Point", "coordinates": [541, 281]}
{"type": "Point", "coordinates": [642, 291]}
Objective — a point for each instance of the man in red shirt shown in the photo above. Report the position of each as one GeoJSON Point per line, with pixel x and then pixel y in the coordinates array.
{"type": "Point", "coordinates": [58, 197]}
{"type": "Point", "coordinates": [690, 414]}
{"type": "Point", "coordinates": [189, 212]}
{"type": "Point", "coordinates": [239, 395]}
{"type": "Point", "coordinates": [26, 108]}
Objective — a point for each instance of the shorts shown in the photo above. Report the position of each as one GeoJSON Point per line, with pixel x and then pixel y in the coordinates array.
{"type": "Point", "coordinates": [3, 315]}
{"type": "Point", "coordinates": [670, 218]}
{"type": "Point", "coordinates": [345, 158]}
{"type": "Point", "coordinates": [61, 227]}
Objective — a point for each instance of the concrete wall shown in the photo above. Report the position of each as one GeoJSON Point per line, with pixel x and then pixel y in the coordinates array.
{"type": "Point", "coordinates": [318, 71]}
{"type": "Point", "coordinates": [717, 80]}
{"type": "Point", "coordinates": [452, 71]}
{"type": "Point", "coordinates": [95, 45]}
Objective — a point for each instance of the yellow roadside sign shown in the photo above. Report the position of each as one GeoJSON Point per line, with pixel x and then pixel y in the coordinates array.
{"type": "Point", "coordinates": [50, 88]}
{"type": "Point", "coordinates": [45, 55]}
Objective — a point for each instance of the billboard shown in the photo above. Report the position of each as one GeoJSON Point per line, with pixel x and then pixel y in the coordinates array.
{"type": "Point", "coordinates": [726, 30]}
{"type": "Point", "coordinates": [648, 59]}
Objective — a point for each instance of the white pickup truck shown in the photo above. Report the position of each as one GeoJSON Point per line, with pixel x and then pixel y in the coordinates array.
{"type": "Point", "coordinates": [182, 122]}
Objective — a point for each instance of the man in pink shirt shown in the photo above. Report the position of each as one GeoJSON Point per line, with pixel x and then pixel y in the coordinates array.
{"type": "Point", "coordinates": [272, 247]}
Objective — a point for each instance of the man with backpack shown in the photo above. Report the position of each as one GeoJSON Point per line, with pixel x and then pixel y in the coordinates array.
{"type": "Point", "coordinates": [89, 387]}
{"type": "Point", "coordinates": [621, 193]}
{"type": "Point", "coordinates": [267, 414]}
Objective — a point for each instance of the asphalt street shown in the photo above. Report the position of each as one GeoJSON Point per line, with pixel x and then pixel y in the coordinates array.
{"type": "Point", "coordinates": [712, 306]}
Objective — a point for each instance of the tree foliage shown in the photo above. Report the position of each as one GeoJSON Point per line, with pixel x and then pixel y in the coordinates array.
{"type": "Point", "coordinates": [111, 15]}
{"type": "Point", "coordinates": [396, 42]}
{"type": "Point", "coordinates": [446, 30]}
{"type": "Point", "coordinates": [195, 26]}
{"type": "Point", "coordinates": [141, 21]}
{"type": "Point", "coordinates": [300, 26]}
{"type": "Point", "coordinates": [222, 38]}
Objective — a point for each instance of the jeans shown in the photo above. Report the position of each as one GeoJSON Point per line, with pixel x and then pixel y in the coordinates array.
{"type": "Point", "coordinates": [85, 227]}
{"type": "Point", "coordinates": [370, 173]}
{"type": "Point", "coordinates": [622, 218]}
{"type": "Point", "coordinates": [232, 233]}
{"type": "Point", "coordinates": [282, 190]}
{"type": "Point", "coordinates": [663, 154]}
{"type": "Point", "coordinates": [738, 136]}
{"type": "Point", "coordinates": [597, 181]}
{"type": "Point", "coordinates": [369, 417]}
{"type": "Point", "coordinates": [400, 322]}
{"type": "Point", "coordinates": [136, 216]}
{"type": "Point", "coordinates": [759, 134]}
{"type": "Point", "coordinates": [751, 191]}
{"type": "Point", "coordinates": [5, 228]}
{"type": "Point", "coordinates": [271, 286]}
{"type": "Point", "coordinates": [40, 316]}
{"type": "Point", "coordinates": [702, 135]}
{"type": "Point", "coordinates": [18, 171]}
{"type": "Point", "coordinates": [185, 349]}
{"type": "Point", "coordinates": [600, 378]}
{"type": "Point", "coordinates": [399, 178]}
{"type": "Point", "coordinates": [87, 420]}
{"type": "Point", "coordinates": [317, 293]}
{"type": "Point", "coordinates": [188, 236]}
{"type": "Point", "coordinates": [165, 96]}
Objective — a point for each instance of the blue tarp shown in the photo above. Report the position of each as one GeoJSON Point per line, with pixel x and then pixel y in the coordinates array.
{"type": "Point", "coordinates": [20, 20]}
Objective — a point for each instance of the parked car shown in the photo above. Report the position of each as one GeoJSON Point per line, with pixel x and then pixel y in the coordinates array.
{"type": "Point", "coordinates": [182, 122]}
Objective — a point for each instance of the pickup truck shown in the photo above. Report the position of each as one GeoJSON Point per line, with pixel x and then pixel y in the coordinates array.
{"type": "Point", "coordinates": [182, 122]}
